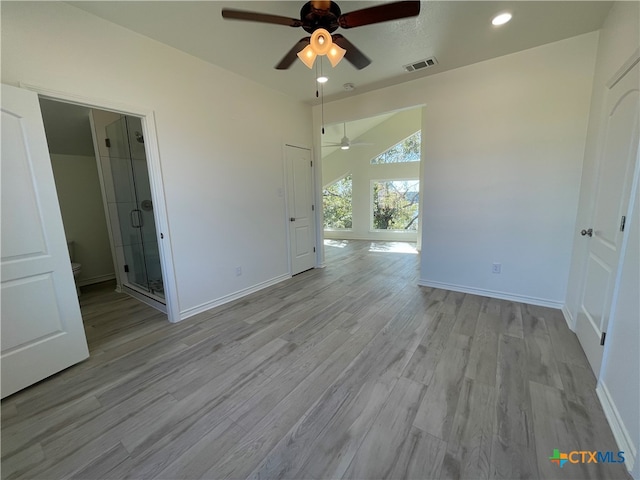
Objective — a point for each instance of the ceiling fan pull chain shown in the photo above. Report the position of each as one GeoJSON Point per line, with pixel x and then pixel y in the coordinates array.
{"type": "Point", "coordinates": [318, 90]}
{"type": "Point", "coordinates": [322, 108]}
{"type": "Point", "coordinates": [322, 97]}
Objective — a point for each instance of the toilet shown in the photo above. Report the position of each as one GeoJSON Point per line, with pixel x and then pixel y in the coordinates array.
{"type": "Point", "coordinates": [75, 267]}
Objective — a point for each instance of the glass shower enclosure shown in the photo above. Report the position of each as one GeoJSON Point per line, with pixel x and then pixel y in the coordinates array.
{"type": "Point", "coordinates": [140, 268]}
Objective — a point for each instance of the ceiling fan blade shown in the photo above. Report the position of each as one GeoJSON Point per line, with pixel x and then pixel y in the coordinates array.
{"type": "Point", "coordinates": [292, 54]}
{"type": "Point", "coordinates": [353, 55]}
{"type": "Point", "coordinates": [379, 13]}
{"type": "Point", "coordinates": [231, 14]}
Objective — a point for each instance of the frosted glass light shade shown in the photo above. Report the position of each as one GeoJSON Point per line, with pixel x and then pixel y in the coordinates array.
{"type": "Point", "coordinates": [335, 54]}
{"type": "Point", "coordinates": [321, 41]}
{"type": "Point", "coordinates": [307, 55]}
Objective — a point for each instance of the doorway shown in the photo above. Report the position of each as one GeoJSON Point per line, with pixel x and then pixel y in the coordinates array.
{"type": "Point", "coordinates": [606, 229]}
{"type": "Point", "coordinates": [132, 219]}
{"type": "Point", "coordinates": [300, 209]}
{"type": "Point", "coordinates": [105, 197]}
{"type": "Point", "coordinates": [371, 171]}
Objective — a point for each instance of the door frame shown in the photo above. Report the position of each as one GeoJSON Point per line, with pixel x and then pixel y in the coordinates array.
{"type": "Point", "coordinates": [572, 321]}
{"type": "Point", "coordinates": [286, 195]}
{"type": "Point", "coordinates": [147, 116]}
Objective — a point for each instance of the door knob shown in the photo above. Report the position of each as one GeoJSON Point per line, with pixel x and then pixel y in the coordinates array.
{"type": "Point", "coordinates": [292, 219]}
{"type": "Point", "coordinates": [588, 233]}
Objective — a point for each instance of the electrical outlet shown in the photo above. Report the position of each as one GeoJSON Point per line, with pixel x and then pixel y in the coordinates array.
{"type": "Point", "coordinates": [238, 271]}
{"type": "Point", "coordinates": [496, 268]}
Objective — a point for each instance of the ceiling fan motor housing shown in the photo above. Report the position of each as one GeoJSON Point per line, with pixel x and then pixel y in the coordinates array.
{"type": "Point", "coordinates": [314, 18]}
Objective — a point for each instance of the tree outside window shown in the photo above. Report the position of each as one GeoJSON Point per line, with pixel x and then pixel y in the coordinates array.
{"type": "Point", "coordinates": [395, 204]}
{"type": "Point", "coordinates": [337, 204]}
{"type": "Point", "coordinates": [407, 150]}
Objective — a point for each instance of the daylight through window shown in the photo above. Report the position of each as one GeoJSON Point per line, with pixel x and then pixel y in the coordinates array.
{"type": "Point", "coordinates": [407, 150]}
{"type": "Point", "coordinates": [337, 204]}
{"type": "Point", "coordinates": [395, 204]}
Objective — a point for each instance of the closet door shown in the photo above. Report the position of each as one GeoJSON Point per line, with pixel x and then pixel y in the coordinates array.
{"type": "Point", "coordinates": [606, 229]}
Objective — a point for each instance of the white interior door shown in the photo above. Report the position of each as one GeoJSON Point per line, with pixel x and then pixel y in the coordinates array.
{"type": "Point", "coordinates": [42, 330]}
{"type": "Point", "coordinates": [604, 234]}
{"type": "Point", "coordinates": [300, 208]}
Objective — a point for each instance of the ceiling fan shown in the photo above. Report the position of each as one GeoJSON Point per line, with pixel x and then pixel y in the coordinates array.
{"type": "Point", "coordinates": [321, 18]}
{"type": "Point", "coordinates": [345, 143]}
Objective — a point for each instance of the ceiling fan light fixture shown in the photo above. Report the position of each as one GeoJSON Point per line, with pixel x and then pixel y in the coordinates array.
{"type": "Point", "coordinates": [335, 54]}
{"type": "Point", "coordinates": [320, 18]}
{"type": "Point", "coordinates": [307, 55]}
{"type": "Point", "coordinates": [321, 44]}
{"type": "Point", "coordinates": [344, 147]}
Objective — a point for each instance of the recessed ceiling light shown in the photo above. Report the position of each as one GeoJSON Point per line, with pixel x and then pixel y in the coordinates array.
{"type": "Point", "coordinates": [501, 19]}
{"type": "Point", "coordinates": [322, 79]}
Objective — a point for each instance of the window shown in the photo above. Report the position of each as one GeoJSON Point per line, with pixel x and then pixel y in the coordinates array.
{"type": "Point", "coordinates": [407, 150]}
{"type": "Point", "coordinates": [337, 204]}
{"type": "Point", "coordinates": [395, 204]}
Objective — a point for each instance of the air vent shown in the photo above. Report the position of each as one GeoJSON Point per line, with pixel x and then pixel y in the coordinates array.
{"type": "Point", "coordinates": [420, 64]}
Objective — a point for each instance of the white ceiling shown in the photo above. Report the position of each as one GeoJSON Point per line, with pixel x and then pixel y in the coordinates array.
{"type": "Point", "coordinates": [354, 129]}
{"type": "Point", "coordinates": [457, 33]}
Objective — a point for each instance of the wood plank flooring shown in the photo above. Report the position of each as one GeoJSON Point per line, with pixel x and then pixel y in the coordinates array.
{"type": "Point", "coordinates": [351, 371]}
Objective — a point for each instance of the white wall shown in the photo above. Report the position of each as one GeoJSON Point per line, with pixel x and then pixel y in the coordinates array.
{"type": "Point", "coordinates": [357, 161]}
{"type": "Point", "coordinates": [78, 188]}
{"type": "Point", "coordinates": [504, 145]}
{"type": "Point", "coordinates": [619, 382]}
{"type": "Point", "coordinates": [220, 138]}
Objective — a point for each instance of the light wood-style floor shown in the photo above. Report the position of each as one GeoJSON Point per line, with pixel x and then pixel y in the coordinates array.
{"type": "Point", "coordinates": [352, 371]}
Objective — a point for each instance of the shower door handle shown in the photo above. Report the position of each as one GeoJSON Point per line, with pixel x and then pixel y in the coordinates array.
{"type": "Point", "coordinates": [136, 218]}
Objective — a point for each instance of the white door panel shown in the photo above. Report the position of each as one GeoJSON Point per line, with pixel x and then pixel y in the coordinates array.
{"type": "Point", "coordinates": [615, 172]}
{"type": "Point", "coordinates": [300, 206]}
{"type": "Point", "coordinates": [42, 330]}
{"type": "Point", "coordinates": [302, 241]}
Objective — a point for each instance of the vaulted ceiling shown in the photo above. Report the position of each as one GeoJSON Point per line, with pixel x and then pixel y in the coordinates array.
{"type": "Point", "coordinates": [457, 33]}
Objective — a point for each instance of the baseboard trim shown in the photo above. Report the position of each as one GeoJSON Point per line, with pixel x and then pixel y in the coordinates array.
{"type": "Point", "coordinates": [571, 323]}
{"type": "Point", "coordinates": [492, 293]}
{"type": "Point", "coordinates": [231, 297]}
{"type": "Point", "coordinates": [620, 432]}
{"type": "Point", "coordinates": [98, 279]}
